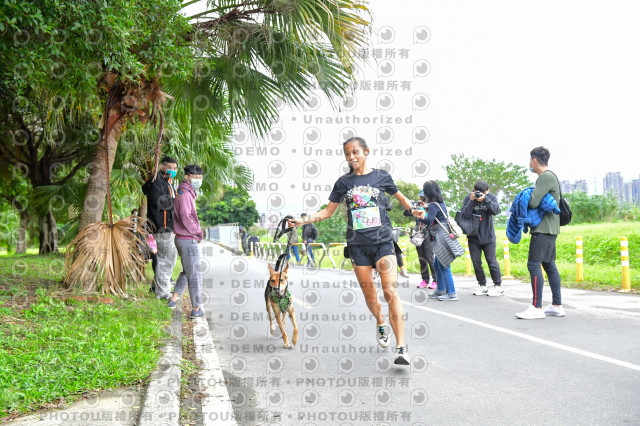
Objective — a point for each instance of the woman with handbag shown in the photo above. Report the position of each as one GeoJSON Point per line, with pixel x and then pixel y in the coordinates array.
{"type": "Point", "coordinates": [444, 241]}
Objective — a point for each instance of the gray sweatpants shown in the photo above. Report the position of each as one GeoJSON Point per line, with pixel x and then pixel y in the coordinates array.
{"type": "Point", "coordinates": [167, 256]}
{"type": "Point", "coordinates": [190, 275]}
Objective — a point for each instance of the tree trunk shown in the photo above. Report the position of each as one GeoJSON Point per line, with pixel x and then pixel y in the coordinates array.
{"type": "Point", "coordinates": [142, 211]}
{"type": "Point", "coordinates": [21, 244]}
{"type": "Point", "coordinates": [97, 186]}
{"type": "Point", "coordinates": [48, 234]}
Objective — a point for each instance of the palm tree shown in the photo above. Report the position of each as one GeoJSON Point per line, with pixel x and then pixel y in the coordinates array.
{"type": "Point", "coordinates": [248, 54]}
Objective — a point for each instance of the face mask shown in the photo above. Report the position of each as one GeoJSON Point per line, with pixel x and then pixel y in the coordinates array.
{"type": "Point", "coordinates": [531, 170]}
{"type": "Point", "coordinates": [196, 183]}
{"type": "Point", "coordinates": [171, 173]}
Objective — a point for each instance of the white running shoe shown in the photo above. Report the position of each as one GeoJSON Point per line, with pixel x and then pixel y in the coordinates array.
{"type": "Point", "coordinates": [401, 357]}
{"type": "Point", "coordinates": [531, 313]}
{"type": "Point", "coordinates": [497, 290]}
{"type": "Point", "coordinates": [382, 335]}
{"type": "Point", "coordinates": [555, 311]}
{"type": "Point", "coordinates": [481, 291]}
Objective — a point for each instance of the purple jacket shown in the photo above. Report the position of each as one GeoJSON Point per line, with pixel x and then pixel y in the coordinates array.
{"type": "Point", "coordinates": [186, 225]}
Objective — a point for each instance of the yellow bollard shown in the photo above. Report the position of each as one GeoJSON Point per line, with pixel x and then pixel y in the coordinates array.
{"type": "Point", "coordinates": [507, 261]}
{"type": "Point", "coordinates": [624, 257]}
{"type": "Point", "coordinates": [251, 255]}
{"type": "Point", "coordinates": [468, 257]}
{"type": "Point", "coordinates": [579, 261]}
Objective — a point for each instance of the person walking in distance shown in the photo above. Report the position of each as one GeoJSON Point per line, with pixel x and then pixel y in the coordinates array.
{"type": "Point", "coordinates": [160, 201]}
{"type": "Point", "coordinates": [292, 238]}
{"type": "Point", "coordinates": [482, 205]}
{"type": "Point", "coordinates": [369, 238]}
{"type": "Point", "coordinates": [542, 247]}
{"type": "Point", "coordinates": [244, 236]}
{"type": "Point", "coordinates": [309, 235]}
{"type": "Point", "coordinates": [188, 236]}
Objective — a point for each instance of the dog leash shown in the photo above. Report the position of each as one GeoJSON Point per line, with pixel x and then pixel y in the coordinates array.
{"type": "Point", "coordinates": [282, 229]}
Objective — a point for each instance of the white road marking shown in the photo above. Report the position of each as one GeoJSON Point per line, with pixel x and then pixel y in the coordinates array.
{"type": "Point", "coordinates": [300, 302]}
{"type": "Point", "coordinates": [216, 405]}
{"type": "Point", "coordinates": [531, 338]}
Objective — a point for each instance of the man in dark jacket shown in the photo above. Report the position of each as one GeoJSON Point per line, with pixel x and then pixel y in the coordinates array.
{"type": "Point", "coordinates": [481, 205]}
{"type": "Point", "coordinates": [309, 235]}
{"type": "Point", "coordinates": [160, 198]}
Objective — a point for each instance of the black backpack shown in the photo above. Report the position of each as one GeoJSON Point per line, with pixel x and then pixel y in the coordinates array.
{"type": "Point", "coordinates": [565, 210]}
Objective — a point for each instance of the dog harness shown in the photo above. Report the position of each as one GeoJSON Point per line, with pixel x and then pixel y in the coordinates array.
{"type": "Point", "coordinates": [283, 303]}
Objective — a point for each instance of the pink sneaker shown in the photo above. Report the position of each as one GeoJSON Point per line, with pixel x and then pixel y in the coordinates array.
{"type": "Point", "coordinates": [423, 284]}
{"type": "Point", "coordinates": [433, 285]}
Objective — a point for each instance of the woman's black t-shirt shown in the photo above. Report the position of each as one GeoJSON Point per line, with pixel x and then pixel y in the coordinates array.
{"type": "Point", "coordinates": [367, 218]}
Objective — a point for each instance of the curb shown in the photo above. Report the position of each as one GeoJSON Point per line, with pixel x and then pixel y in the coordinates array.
{"type": "Point", "coordinates": [216, 405]}
{"type": "Point", "coordinates": [161, 405]}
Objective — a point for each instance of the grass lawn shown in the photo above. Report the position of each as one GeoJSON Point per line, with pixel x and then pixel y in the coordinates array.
{"type": "Point", "coordinates": [54, 351]}
{"type": "Point", "coordinates": [602, 268]}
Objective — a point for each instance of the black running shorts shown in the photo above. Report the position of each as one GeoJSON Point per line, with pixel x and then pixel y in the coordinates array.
{"type": "Point", "coordinates": [368, 255]}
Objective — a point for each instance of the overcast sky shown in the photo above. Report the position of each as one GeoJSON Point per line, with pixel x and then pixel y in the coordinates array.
{"type": "Point", "coordinates": [490, 79]}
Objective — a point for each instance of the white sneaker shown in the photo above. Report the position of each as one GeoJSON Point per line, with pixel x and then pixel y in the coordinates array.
{"type": "Point", "coordinates": [497, 290]}
{"type": "Point", "coordinates": [382, 335]}
{"type": "Point", "coordinates": [531, 313]}
{"type": "Point", "coordinates": [556, 311]}
{"type": "Point", "coordinates": [481, 291]}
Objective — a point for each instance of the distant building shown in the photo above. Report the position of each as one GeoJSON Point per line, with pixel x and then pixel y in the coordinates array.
{"type": "Point", "coordinates": [627, 195]}
{"type": "Point", "coordinates": [613, 183]}
{"type": "Point", "coordinates": [635, 191]}
{"type": "Point", "coordinates": [579, 185]}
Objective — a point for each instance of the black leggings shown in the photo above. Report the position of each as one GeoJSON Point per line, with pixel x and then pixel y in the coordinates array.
{"type": "Point", "coordinates": [537, 281]}
{"type": "Point", "coordinates": [425, 256]}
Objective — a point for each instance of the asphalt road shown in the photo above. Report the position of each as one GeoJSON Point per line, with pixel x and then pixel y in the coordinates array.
{"type": "Point", "coordinates": [473, 362]}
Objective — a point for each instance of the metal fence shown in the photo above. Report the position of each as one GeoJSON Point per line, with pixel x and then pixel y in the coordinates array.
{"type": "Point", "coordinates": [227, 235]}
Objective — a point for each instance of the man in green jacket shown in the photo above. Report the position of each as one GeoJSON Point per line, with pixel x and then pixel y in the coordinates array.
{"type": "Point", "coordinates": [542, 248]}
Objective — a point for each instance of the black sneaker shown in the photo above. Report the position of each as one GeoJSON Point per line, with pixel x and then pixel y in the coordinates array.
{"type": "Point", "coordinates": [401, 357]}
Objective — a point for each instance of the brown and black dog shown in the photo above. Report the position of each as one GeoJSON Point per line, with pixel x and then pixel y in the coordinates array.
{"type": "Point", "coordinates": [277, 297]}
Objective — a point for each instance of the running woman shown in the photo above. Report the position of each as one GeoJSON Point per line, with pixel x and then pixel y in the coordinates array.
{"type": "Point", "coordinates": [369, 237]}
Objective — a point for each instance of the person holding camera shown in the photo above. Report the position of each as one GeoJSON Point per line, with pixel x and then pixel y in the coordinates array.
{"type": "Point", "coordinates": [481, 205]}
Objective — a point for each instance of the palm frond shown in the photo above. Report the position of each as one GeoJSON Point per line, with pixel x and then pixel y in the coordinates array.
{"type": "Point", "coordinates": [106, 258]}
{"type": "Point", "coordinates": [68, 196]}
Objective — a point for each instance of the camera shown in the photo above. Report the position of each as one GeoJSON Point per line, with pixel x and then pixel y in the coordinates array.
{"type": "Point", "coordinates": [478, 194]}
{"type": "Point", "coordinates": [416, 205]}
